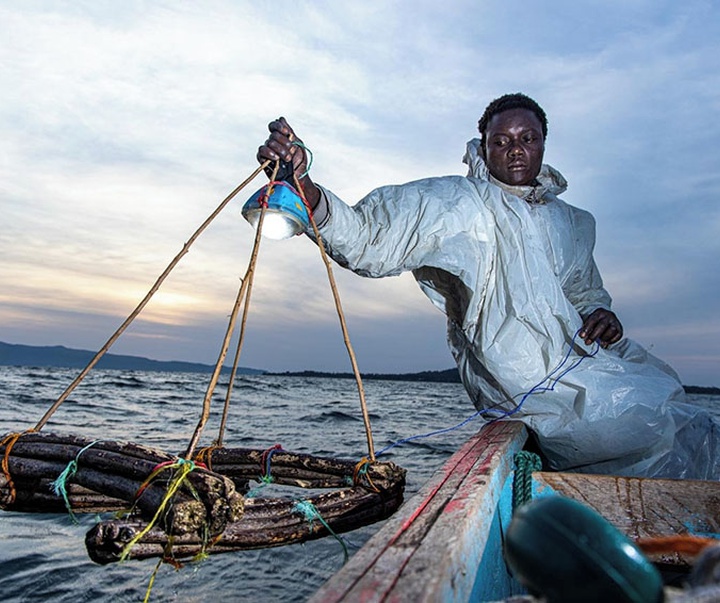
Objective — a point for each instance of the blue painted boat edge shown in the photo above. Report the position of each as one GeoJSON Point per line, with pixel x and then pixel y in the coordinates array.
{"type": "Point", "coordinates": [479, 572]}
{"type": "Point", "coordinates": [493, 581]}
{"type": "Point", "coordinates": [442, 565]}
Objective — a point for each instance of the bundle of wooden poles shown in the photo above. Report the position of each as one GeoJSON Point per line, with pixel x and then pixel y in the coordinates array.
{"type": "Point", "coordinates": [205, 512]}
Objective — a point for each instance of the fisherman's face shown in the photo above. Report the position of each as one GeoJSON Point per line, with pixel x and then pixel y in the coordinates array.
{"type": "Point", "coordinates": [514, 146]}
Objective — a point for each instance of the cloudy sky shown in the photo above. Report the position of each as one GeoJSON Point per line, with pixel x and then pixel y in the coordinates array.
{"type": "Point", "coordinates": [124, 124]}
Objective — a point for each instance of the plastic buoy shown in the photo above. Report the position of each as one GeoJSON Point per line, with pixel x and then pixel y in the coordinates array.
{"type": "Point", "coordinates": [568, 553]}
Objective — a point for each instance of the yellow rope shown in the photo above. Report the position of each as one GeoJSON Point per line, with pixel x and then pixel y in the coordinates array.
{"type": "Point", "coordinates": [152, 580]}
{"type": "Point", "coordinates": [184, 468]}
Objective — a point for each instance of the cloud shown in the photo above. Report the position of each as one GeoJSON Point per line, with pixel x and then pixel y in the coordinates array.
{"type": "Point", "coordinates": [124, 125]}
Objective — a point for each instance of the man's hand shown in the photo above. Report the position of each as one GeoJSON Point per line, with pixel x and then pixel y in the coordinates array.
{"type": "Point", "coordinates": [602, 326]}
{"type": "Point", "coordinates": [279, 146]}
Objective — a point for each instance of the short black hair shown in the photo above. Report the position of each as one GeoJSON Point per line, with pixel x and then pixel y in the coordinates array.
{"type": "Point", "coordinates": [517, 100]}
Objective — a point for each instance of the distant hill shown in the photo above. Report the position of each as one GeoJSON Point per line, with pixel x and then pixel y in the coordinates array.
{"type": "Point", "coordinates": [60, 356]}
{"type": "Point", "coordinates": [446, 376]}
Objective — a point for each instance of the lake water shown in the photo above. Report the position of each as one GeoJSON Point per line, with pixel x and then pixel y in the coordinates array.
{"type": "Point", "coordinates": [43, 557]}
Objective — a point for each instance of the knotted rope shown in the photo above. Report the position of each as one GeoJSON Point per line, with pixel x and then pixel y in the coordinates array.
{"type": "Point", "coordinates": [9, 441]}
{"type": "Point", "coordinates": [182, 468]}
{"type": "Point", "coordinates": [361, 470]}
{"type": "Point", "coordinates": [310, 512]}
{"type": "Point", "coordinates": [59, 486]}
{"type": "Point", "coordinates": [525, 463]}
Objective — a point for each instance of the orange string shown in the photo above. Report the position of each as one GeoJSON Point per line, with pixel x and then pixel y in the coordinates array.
{"type": "Point", "coordinates": [9, 441]}
{"type": "Point", "coordinates": [203, 457]}
{"type": "Point", "coordinates": [361, 469]}
{"type": "Point", "coordinates": [680, 543]}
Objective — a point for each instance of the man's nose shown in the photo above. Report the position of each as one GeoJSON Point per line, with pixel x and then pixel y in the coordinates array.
{"type": "Point", "coordinates": [515, 149]}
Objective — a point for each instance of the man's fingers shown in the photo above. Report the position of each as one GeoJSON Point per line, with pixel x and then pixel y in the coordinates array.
{"type": "Point", "coordinates": [601, 326]}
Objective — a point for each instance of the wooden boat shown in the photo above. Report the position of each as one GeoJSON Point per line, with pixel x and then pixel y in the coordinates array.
{"type": "Point", "coordinates": [446, 543]}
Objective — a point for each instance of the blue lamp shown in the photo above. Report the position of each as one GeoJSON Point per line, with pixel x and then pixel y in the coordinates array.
{"type": "Point", "coordinates": [285, 213]}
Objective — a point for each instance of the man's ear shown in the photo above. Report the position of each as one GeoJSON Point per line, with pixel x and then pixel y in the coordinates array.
{"type": "Point", "coordinates": [483, 154]}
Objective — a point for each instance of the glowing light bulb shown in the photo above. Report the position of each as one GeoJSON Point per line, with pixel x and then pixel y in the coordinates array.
{"type": "Point", "coordinates": [285, 212]}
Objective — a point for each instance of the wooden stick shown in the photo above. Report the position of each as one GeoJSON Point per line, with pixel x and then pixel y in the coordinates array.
{"type": "Point", "coordinates": [38, 497]}
{"type": "Point", "coordinates": [208, 499]}
{"type": "Point", "coordinates": [244, 288]}
{"type": "Point", "coordinates": [243, 294]}
{"type": "Point", "coordinates": [95, 359]}
{"type": "Point", "coordinates": [343, 325]}
{"type": "Point", "coordinates": [250, 275]}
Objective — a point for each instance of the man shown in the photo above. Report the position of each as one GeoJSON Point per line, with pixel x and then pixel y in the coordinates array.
{"type": "Point", "coordinates": [511, 266]}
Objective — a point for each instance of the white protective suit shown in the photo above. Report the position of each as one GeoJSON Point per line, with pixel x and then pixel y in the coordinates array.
{"type": "Point", "coordinates": [515, 279]}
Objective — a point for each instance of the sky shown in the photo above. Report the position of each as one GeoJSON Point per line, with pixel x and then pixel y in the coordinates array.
{"type": "Point", "coordinates": [123, 125]}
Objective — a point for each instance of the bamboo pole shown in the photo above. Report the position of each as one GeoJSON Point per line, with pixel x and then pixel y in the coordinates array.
{"type": "Point", "coordinates": [243, 293]}
{"type": "Point", "coordinates": [243, 322]}
{"type": "Point", "coordinates": [343, 325]}
{"type": "Point", "coordinates": [95, 359]}
{"type": "Point", "coordinates": [246, 283]}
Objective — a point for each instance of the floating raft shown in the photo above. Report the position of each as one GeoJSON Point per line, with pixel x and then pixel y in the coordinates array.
{"type": "Point", "coordinates": [117, 470]}
{"type": "Point", "coordinates": [208, 513]}
{"type": "Point", "coordinates": [265, 523]}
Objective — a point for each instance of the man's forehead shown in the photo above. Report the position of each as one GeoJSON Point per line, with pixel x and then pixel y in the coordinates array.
{"type": "Point", "coordinates": [513, 118]}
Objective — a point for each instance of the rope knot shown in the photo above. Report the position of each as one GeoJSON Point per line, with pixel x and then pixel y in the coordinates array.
{"type": "Point", "coordinates": [310, 513]}
{"type": "Point", "coordinates": [525, 463]}
{"type": "Point", "coordinates": [361, 470]}
{"type": "Point", "coordinates": [265, 462]}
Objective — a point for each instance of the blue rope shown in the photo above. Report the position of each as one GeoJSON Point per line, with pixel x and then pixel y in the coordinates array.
{"type": "Point", "coordinates": [297, 143]}
{"type": "Point", "coordinates": [306, 508]}
{"type": "Point", "coordinates": [268, 458]}
{"type": "Point", "coordinates": [536, 389]}
{"type": "Point", "coordinates": [430, 434]}
{"type": "Point", "coordinates": [266, 478]}
{"type": "Point", "coordinates": [59, 485]}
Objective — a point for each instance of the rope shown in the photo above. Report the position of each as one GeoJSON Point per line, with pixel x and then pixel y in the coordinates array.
{"type": "Point", "coordinates": [183, 468]}
{"type": "Point", "coordinates": [60, 483]}
{"type": "Point", "coordinates": [253, 492]}
{"type": "Point", "coordinates": [9, 441]}
{"type": "Point", "coordinates": [151, 582]}
{"type": "Point", "coordinates": [266, 458]}
{"type": "Point", "coordinates": [297, 143]}
{"type": "Point", "coordinates": [308, 510]}
{"type": "Point", "coordinates": [266, 477]}
{"type": "Point", "coordinates": [361, 469]}
{"type": "Point", "coordinates": [146, 299]}
{"type": "Point", "coordinates": [536, 389]}
{"type": "Point", "coordinates": [430, 434]}
{"type": "Point", "coordinates": [525, 463]}
{"type": "Point", "coordinates": [204, 456]}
